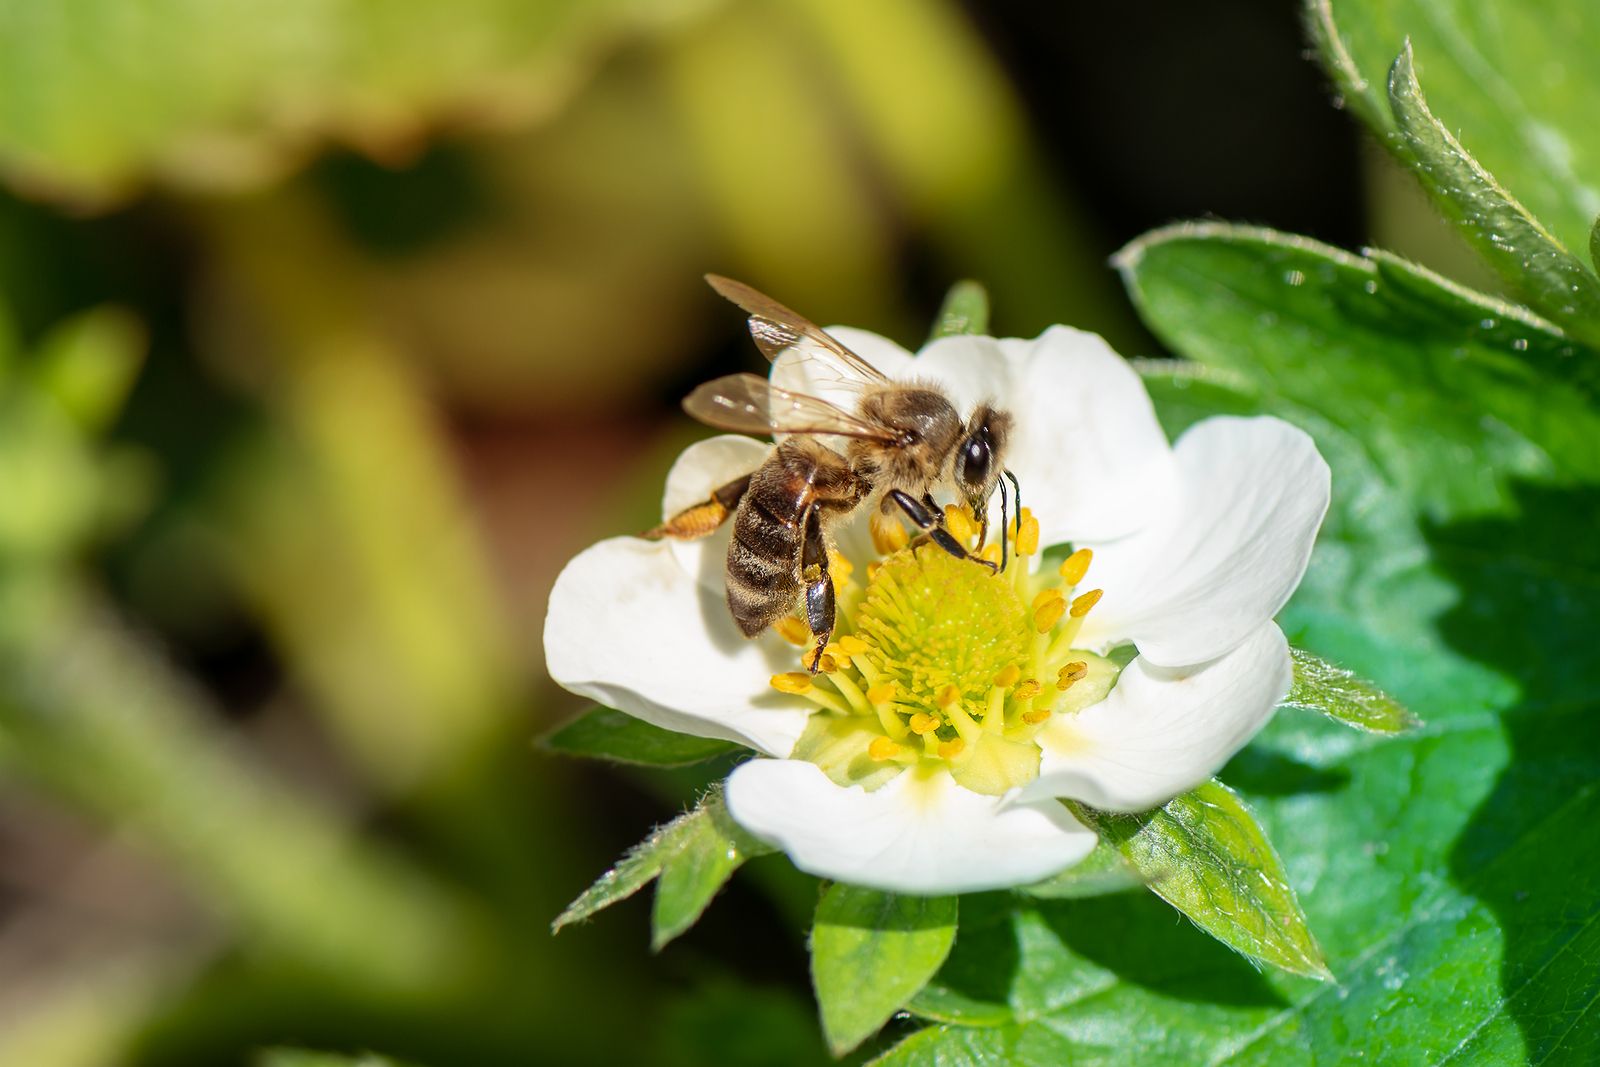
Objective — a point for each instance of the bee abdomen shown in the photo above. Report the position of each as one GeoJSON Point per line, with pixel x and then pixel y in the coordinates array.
{"type": "Point", "coordinates": [762, 558]}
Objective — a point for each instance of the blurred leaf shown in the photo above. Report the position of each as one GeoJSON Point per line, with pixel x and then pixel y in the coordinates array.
{"type": "Point", "coordinates": [88, 364]}
{"type": "Point", "coordinates": [288, 1057]}
{"type": "Point", "coordinates": [1339, 694]}
{"type": "Point", "coordinates": [608, 734]}
{"type": "Point", "coordinates": [1204, 854]}
{"type": "Point", "coordinates": [870, 953]}
{"type": "Point", "coordinates": [1594, 244]}
{"type": "Point", "coordinates": [1515, 82]}
{"type": "Point", "coordinates": [1104, 870]}
{"type": "Point", "coordinates": [229, 95]}
{"type": "Point", "coordinates": [965, 310]}
{"type": "Point", "coordinates": [1552, 279]}
{"type": "Point", "coordinates": [733, 1022]}
{"type": "Point", "coordinates": [693, 855]}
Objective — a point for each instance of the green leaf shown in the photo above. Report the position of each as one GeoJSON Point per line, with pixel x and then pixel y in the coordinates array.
{"type": "Point", "coordinates": [289, 1057]}
{"type": "Point", "coordinates": [1515, 82]}
{"type": "Point", "coordinates": [1344, 697]}
{"type": "Point", "coordinates": [1529, 256]}
{"type": "Point", "coordinates": [965, 310]}
{"type": "Point", "coordinates": [88, 364]}
{"type": "Point", "coordinates": [693, 855]}
{"type": "Point", "coordinates": [870, 953]}
{"type": "Point", "coordinates": [1594, 244]}
{"type": "Point", "coordinates": [608, 734]}
{"type": "Point", "coordinates": [1204, 854]}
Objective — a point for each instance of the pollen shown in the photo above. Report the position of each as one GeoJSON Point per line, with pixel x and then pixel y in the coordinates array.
{"type": "Point", "coordinates": [796, 682]}
{"type": "Point", "coordinates": [1082, 604]}
{"type": "Point", "coordinates": [793, 630]}
{"type": "Point", "coordinates": [1075, 566]}
{"type": "Point", "coordinates": [1027, 689]}
{"type": "Point", "coordinates": [1008, 676]}
{"type": "Point", "coordinates": [1071, 672]}
{"type": "Point", "coordinates": [1034, 717]}
{"type": "Point", "coordinates": [923, 723]}
{"type": "Point", "coordinates": [883, 748]}
{"type": "Point", "coordinates": [1046, 615]}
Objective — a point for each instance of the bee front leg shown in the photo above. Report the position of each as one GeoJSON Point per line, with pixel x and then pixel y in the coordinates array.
{"type": "Point", "coordinates": [699, 520]}
{"type": "Point", "coordinates": [927, 518]}
{"type": "Point", "coordinates": [820, 607]}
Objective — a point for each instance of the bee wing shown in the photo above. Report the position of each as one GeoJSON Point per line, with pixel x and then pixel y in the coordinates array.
{"type": "Point", "coordinates": [748, 403]}
{"type": "Point", "coordinates": [777, 329]}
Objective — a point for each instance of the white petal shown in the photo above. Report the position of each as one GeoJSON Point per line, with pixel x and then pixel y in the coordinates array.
{"type": "Point", "coordinates": [919, 833]}
{"type": "Point", "coordinates": [627, 627]}
{"type": "Point", "coordinates": [1091, 457]}
{"type": "Point", "coordinates": [1162, 731]}
{"type": "Point", "coordinates": [1227, 557]}
{"type": "Point", "coordinates": [796, 370]}
{"type": "Point", "coordinates": [701, 468]}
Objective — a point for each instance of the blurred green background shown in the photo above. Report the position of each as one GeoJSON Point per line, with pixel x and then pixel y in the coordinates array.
{"type": "Point", "coordinates": [331, 330]}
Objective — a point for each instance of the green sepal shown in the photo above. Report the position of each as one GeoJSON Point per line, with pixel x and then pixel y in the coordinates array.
{"type": "Point", "coordinates": [871, 952]}
{"type": "Point", "coordinates": [965, 311]}
{"type": "Point", "coordinates": [1344, 696]}
{"type": "Point", "coordinates": [608, 734]}
{"type": "Point", "coordinates": [1205, 854]}
{"type": "Point", "coordinates": [693, 856]}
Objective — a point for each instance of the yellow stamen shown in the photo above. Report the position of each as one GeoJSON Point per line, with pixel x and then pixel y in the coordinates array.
{"type": "Point", "coordinates": [1027, 689]}
{"type": "Point", "coordinates": [1045, 596]}
{"type": "Point", "coordinates": [959, 521]}
{"type": "Point", "coordinates": [1036, 716]}
{"type": "Point", "coordinates": [1075, 566]}
{"type": "Point", "coordinates": [923, 723]}
{"type": "Point", "coordinates": [991, 552]}
{"type": "Point", "coordinates": [873, 568]}
{"type": "Point", "coordinates": [826, 664]}
{"type": "Point", "coordinates": [882, 748]}
{"type": "Point", "coordinates": [1049, 613]}
{"type": "Point", "coordinates": [948, 696]}
{"type": "Point", "coordinates": [1008, 677]}
{"type": "Point", "coordinates": [1082, 604]}
{"type": "Point", "coordinates": [1027, 534]}
{"type": "Point", "coordinates": [888, 536]}
{"type": "Point", "coordinates": [840, 568]}
{"type": "Point", "coordinates": [882, 693]}
{"type": "Point", "coordinates": [838, 654]}
{"type": "Point", "coordinates": [795, 682]}
{"type": "Point", "coordinates": [952, 748]}
{"type": "Point", "coordinates": [853, 646]}
{"type": "Point", "coordinates": [793, 630]}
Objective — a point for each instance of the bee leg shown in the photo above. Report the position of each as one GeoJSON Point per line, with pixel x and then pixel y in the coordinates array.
{"type": "Point", "coordinates": [699, 520]}
{"type": "Point", "coordinates": [927, 519]}
{"type": "Point", "coordinates": [1004, 522]}
{"type": "Point", "coordinates": [820, 612]}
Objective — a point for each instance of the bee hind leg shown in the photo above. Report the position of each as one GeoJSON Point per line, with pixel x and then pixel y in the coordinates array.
{"type": "Point", "coordinates": [927, 519]}
{"type": "Point", "coordinates": [820, 606]}
{"type": "Point", "coordinates": [700, 520]}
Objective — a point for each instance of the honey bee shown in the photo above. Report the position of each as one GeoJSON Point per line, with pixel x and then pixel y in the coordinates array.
{"type": "Point", "coordinates": [902, 441]}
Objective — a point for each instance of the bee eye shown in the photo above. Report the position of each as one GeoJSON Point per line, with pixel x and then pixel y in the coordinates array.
{"type": "Point", "coordinates": [972, 465]}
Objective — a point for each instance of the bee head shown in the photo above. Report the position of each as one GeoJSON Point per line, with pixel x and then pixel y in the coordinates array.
{"type": "Point", "coordinates": [980, 456]}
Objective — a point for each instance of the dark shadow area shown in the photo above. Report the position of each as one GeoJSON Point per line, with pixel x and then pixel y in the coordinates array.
{"type": "Point", "coordinates": [1272, 774]}
{"type": "Point", "coordinates": [1530, 607]}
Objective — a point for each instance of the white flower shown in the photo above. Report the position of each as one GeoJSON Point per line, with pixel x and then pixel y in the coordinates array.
{"type": "Point", "coordinates": [961, 707]}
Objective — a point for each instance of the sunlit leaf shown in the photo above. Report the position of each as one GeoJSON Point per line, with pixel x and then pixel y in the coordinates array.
{"type": "Point", "coordinates": [965, 310]}
{"type": "Point", "coordinates": [1340, 694]}
{"type": "Point", "coordinates": [870, 953]}
{"type": "Point", "coordinates": [608, 734]}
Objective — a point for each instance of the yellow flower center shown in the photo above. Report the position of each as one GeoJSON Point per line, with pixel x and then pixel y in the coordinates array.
{"type": "Point", "coordinates": [939, 661]}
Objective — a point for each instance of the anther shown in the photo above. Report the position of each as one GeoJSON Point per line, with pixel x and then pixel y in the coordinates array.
{"type": "Point", "coordinates": [1034, 717]}
{"type": "Point", "coordinates": [923, 723]}
{"type": "Point", "coordinates": [1072, 672]}
{"type": "Point", "coordinates": [947, 696]}
{"type": "Point", "coordinates": [882, 693]}
{"type": "Point", "coordinates": [1027, 689]}
{"type": "Point", "coordinates": [793, 682]}
{"type": "Point", "coordinates": [1044, 597]}
{"type": "Point", "coordinates": [1027, 534]}
{"type": "Point", "coordinates": [836, 652]}
{"type": "Point", "coordinates": [793, 630]}
{"type": "Point", "coordinates": [1008, 676]}
{"type": "Point", "coordinates": [827, 664]}
{"type": "Point", "coordinates": [853, 645]}
{"type": "Point", "coordinates": [1075, 566]}
{"type": "Point", "coordinates": [840, 568]}
{"type": "Point", "coordinates": [883, 748]}
{"type": "Point", "coordinates": [1049, 613]}
{"type": "Point", "coordinates": [888, 536]}
{"type": "Point", "coordinates": [952, 748]}
{"type": "Point", "coordinates": [959, 521]}
{"type": "Point", "coordinates": [1082, 604]}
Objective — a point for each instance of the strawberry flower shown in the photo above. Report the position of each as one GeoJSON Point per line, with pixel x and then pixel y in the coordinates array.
{"type": "Point", "coordinates": [1126, 654]}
